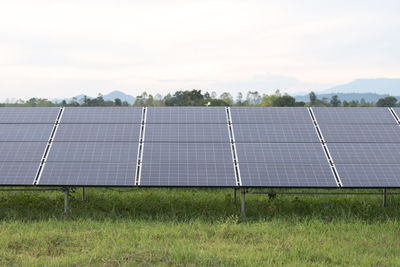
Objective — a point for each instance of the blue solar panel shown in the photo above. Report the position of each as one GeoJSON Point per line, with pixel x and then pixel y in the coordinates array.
{"type": "Point", "coordinates": [273, 115]}
{"type": "Point", "coordinates": [98, 133]}
{"type": "Point", "coordinates": [281, 153]}
{"type": "Point", "coordinates": [369, 175]}
{"type": "Point", "coordinates": [25, 132]}
{"type": "Point", "coordinates": [29, 114]}
{"type": "Point", "coordinates": [187, 153]}
{"type": "Point", "coordinates": [93, 174]}
{"type": "Point", "coordinates": [187, 133]}
{"type": "Point", "coordinates": [353, 115]}
{"type": "Point", "coordinates": [102, 115]}
{"type": "Point", "coordinates": [368, 133]}
{"type": "Point", "coordinates": [93, 152]}
{"type": "Point", "coordinates": [283, 175]}
{"type": "Point", "coordinates": [275, 133]}
{"type": "Point", "coordinates": [365, 153]}
{"type": "Point", "coordinates": [18, 173]}
{"type": "Point", "coordinates": [172, 174]}
{"type": "Point", "coordinates": [186, 115]}
{"type": "Point", "coordinates": [22, 151]}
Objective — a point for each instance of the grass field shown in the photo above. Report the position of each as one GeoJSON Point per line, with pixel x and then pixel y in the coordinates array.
{"type": "Point", "coordinates": [188, 227]}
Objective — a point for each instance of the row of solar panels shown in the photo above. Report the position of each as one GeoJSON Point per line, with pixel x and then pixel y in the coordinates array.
{"type": "Point", "coordinates": [182, 146]}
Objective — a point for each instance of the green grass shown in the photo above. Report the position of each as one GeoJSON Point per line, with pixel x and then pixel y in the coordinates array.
{"type": "Point", "coordinates": [188, 227]}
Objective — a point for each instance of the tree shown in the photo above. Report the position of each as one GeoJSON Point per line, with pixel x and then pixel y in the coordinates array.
{"type": "Point", "coordinates": [227, 98]}
{"type": "Point", "coordinates": [253, 98]}
{"type": "Point", "coordinates": [285, 101]}
{"type": "Point", "coordinates": [313, 98]}
{"type": "Point", "coordinates": [388, 101]}
{"type": "Point", "coordinates": [239, 99]}
{"type": "Point", "coordinates": [335, 102]}
{"type": "Point", "coordinates": [118, 102]}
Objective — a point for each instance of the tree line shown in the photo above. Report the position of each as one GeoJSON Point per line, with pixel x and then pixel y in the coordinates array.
{"type": "Point", "coordinates": [197, 98]}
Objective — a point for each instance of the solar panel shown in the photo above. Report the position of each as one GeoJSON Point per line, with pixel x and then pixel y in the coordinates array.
{"type": "Point", "coordinates": [172, 174]}
{"type": "Point", "coordinates": [98, 133]}
{"type": "Point", "coordinates": [281, 153]}
{"type": "Point", "coordinates": [93, 152]}
{"type": "Point", "coordinates": [29, 114]}
{"type": "Point", "coordinates": [368, 133]}
{"type": "Point", "coordinates": [186, 115]}
{"type": "Point", "coordinates": [275, 133]}
{"type": "Point", "coordinates": [273, 115]}
{"type": "Point", "coordinates": [187, 153]}
{"type": "Point", "coordinates": [93, 174]}
{"type": "Point", "coordinates": [368, 153]}
{"type": "Point", "coordinates": [25, 132]}
{"type": "Point", "coordinates": [187, 133]}
{"type": "Point", "coordinates": [102, 115]}
{"type": "Point", "coordinates": [283, 175]}
{"type": "Point", "coordinates": [22, 151]}
{"type": "Point", "coordinates": [354, 115]}
{"type": "Point", "coordinates": [18, 173]}
{"type": "Point", "coordinates": [366, 175]}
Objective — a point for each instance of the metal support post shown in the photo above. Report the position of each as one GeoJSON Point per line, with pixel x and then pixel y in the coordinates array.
{"type": "Point", "coordinates": [83, 194]}
{"type": "Point", "coordinates": [234, 195]}
{"type": "Point", "coordinates": [66, 198]}
{"type": "Point", "coordinates": [384, 198]}
{"type": "Point", "coordinates": [243, 204]}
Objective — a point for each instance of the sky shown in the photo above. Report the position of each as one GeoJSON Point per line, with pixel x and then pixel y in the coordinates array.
{"type": "Point", "coordinates": [59, 49]}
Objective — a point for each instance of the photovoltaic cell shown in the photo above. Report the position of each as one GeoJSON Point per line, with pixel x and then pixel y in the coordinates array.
{"type": "Point", "coordinates": [98, 133]}
{"type": "Point", "coordinates": [172, 174]}
{"type": "Point", "coordinates": [187, 153]}
{"type": "Point", "coordinates": [187, 133]}
{"type": "Point", "coordinates": [22, 151]}
{"type": "Point", "coordinates": [275, 133]}
{"type": "Point", "coordinates": [93, 152]}
{"type": "Point", "coordinates": [366, 175]}
{"type": "Point", "coordinates": [102, 115]}
{"type": "Point", "coordinates": [195, 115]}
{"type": "Point", "coordinates": [282, 175]}
{"type": "Point", "coordinates": [368, 133]}
{"type": "Point", "coordinates": [270, 115]}
{"type": "Point", "coordinates": [356, 115]}
{"type": "Point", "coordinates": [83, 174]}
{"type": "Point", "coordinates": [365, 153]}
{"type": "Point", "coordinates": [29, 114]}
{"type": "Point", "coordinates": [18, 173]}
{"type": "Point", "coordinates": [281, 153]}
{"type": "Point", "coordinates": [25, 132]}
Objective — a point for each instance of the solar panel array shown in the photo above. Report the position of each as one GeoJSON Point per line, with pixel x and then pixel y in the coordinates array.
{"type": "Point", "coordinates": [187, 146]}
{"type": "Point", "coordinates": [94, 147]}
{"type": "Point", "coordinates": [24, 134]}
{"type": "Point", "coordinates": [198, 146]}
{"type": "Point", "coordinates": [279, 147]}
{"type": "Point", "coordinates": [364, 145]}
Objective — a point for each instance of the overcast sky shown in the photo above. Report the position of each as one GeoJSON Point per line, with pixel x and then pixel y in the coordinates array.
{"type": "Point", "coordinates": [57, 49]}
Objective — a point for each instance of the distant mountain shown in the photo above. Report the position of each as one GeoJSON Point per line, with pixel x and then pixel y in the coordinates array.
{"type": "Point", "coordinates": [380, 86]}
{"type": "Point", "coordinates": [108, 97]}
{"type": "Point", "coordinates": [369, 97]}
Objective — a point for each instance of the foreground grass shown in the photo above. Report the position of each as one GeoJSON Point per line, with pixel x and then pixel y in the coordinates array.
{"type": "Point", "coordinates": [182, 227]}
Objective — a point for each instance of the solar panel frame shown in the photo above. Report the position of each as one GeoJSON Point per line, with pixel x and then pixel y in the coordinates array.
{"type": "Point", "coordinates": [287, 175]}
{"type": "Point", "coordinates": [25, 132]}
{"type": "Point", "coordinates": [270, 115]}
{"type": "Point", "coordinates": [187, 133]}
{"type": "Point", "coordinates": [186, 115]}
{"type": "Point", "coordinates": [369, 175]}
{"type": "Point", "coordinates": [97, 133]}
{"type": "Point", "coordinates": [102, 115]}
{"type": "Point", "coordinates": [354, 115]}
{"type": "Point", "coordinates": [188, 175]}
{"type": "Point", "coordinates": [275, 133]}
{"type": "Point", "coordinates": [30, 115]}
{"type": "Point", "coordinates": [356, 133]}
{"type": "Point", "coordinates": [88, 174]}
{"type": "Point", "coordinates": [287, 153]}
{"type": "Point", "coordinates": [18, 173]}
{"type": "Point", "coordinates": [187, 153]}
